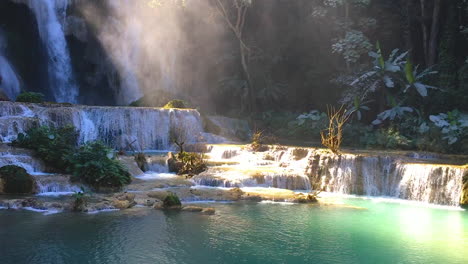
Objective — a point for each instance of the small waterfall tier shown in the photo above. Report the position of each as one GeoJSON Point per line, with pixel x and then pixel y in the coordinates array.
{"type": "Point", "coordinates": [371, 174]}
{"type": "Point", "coordinates": [236, 166]}
{"type": "Point", "coordinates": [388, 175]}
{"type": "Point", "coordinates": [119, 127]}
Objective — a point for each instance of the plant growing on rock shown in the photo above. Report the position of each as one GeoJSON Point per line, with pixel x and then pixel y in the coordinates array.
{"type": "Point", "coordinates": [176, 104]}
{"type": "Point", "coordinates": [52, 145]}
{"type": "Point", "coordinates": [30, 97]}
{"type": "Point", "coordinates": [333, 135]}
{"type": "Point", "coordinates": [94, 165]}
{"type": "Point", "coordinates": [172, 201]}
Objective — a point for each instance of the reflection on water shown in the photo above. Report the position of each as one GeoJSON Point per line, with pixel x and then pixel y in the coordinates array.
{"type": "Point", "coordinates": [240, 233]}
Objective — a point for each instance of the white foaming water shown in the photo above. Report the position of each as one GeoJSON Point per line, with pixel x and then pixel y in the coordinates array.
{"type": "Point", "coordinates": [30, 164]}
{"type": "Point", "coordinates": [278, 168]}
{"type": "Point", "coordinates": [119, 127]}
{"type": "Point", "coordinates": [291, 168]}
{"type": "Point", "coordinates": [387, 176]}
{"type": "Point", "coordinates": [9, 81]}
{"type": "Point", "coordinates": [55, 185]}
{"type": "Point", "coordinates": [61, 80]}
{"type": "Point", "coordinates": [148, 176]}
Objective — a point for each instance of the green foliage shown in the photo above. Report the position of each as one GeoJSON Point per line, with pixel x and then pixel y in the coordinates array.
{"type": "Point", "coordinates": [93, 164]}
{"type": "Point", "coordinates": [176, 104]}
{"type": "Point", "coordinates": [171, 200]}
{"type": "Point", "coordinates": [453, 125]}
{"type": "Point", "coordinates": [52, 145]}
{"type": "Point", "coordinates": [191, 163]}
{"type": "Point", "coordinates": [352, 46]}
{"type": "Point", "coordinates": [414, 79]}
{"type": "Point", "coordinates": [137, 103]}
{"type": "Point", "coordinates": [397, 112]}
{"type": "Point", "coordinates": [16, 180]}
{"type": "Point", "coordinates": [30, 97]}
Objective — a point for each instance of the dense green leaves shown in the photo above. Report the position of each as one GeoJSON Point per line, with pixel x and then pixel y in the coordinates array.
{"type": "Point", "coordinates": [92, 163]}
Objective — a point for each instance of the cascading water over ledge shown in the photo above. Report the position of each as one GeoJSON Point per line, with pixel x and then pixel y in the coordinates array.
{"type": "Point", "coordinates": [370, 174]}
{"type": "Point", "coordinates": [127, 128]}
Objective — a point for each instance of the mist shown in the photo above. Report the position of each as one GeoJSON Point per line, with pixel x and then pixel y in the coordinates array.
{"type": "Point", "coordinates": [159, 47]}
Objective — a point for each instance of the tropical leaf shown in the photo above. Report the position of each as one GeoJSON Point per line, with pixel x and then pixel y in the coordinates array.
{"type": "Point", "coordinates": [421, 88]}
{"type": "Point", "coordinates": [409, 72]}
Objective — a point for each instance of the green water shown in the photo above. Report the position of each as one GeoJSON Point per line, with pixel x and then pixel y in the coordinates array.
{"type": "Point", "coordinates": [240, 233]}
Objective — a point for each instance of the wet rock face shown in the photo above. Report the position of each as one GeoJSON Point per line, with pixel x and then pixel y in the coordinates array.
{"type": "Point", "coordinates": [15, 180]}
{"type": "Point", "coordinates": [464, 194]}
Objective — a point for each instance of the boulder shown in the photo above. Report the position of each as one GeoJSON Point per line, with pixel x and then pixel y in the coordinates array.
{"type": "Point", "coordinates": [131, 165]}
{"type": "Point", "coordinates": [191, 208]}
{"type": "Point", "coordinates": [16, 180]}
{"type": "Point", "coordinates": [208, 211]}
{"type": "Point", "coordinates": [121, 204]}
{"type": "Point", "coordinates": [173, 164]}
{"type": "Point", "coordinates": [159, 194]}
{"type": "Point", "coordinates": [124, 200]}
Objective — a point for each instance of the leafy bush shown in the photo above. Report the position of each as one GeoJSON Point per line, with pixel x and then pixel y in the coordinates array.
{"type": "Point", "coordinates": [453, 125]}
{"type": "Point", "coordinates": [92, 164]}
{"type": "Point", "coordinates": [171, 200]}
{"type": "Point", "coordinates": [16, 180]}
{"type": "Point", "coordinates": [52, 145]}
{"type": "Point", "coordinates": [192, 163]}
{"type": "Point", "coordinates": [30, 97]}
{"type": "Point", "coordinates": [176, 104]}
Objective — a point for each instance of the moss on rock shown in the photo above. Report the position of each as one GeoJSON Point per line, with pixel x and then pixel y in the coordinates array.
{"type": "Point", "coordinates": [16, 180]}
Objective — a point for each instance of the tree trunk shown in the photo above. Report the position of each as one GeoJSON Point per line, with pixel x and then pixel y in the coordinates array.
{"type": "Point", "coordinates": [432, 52]}
{"type": "Point", "coordinates": [425, 30]}
{"type": "Point", "coordinates": [245, 68]}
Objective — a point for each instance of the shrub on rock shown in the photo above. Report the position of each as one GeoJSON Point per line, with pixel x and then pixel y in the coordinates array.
{"type": "Point", "coordinates": [187, 163]}
{"type": "Point", "coordinates": [52, 145]}
{"type": "Point", "coordinates": [93, 165]}
{"type": "Point", "coordinates": [30, 97]}
{"type": "Point", "coordinates": [171, 201]}
{"type": "Point", "coordinates": [176, 104]}
{"type": "Point", "coordinates": [16, 180]}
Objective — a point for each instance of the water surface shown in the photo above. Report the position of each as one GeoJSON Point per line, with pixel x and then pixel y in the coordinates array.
{"type": "Point", "coordinates": [240, 233]}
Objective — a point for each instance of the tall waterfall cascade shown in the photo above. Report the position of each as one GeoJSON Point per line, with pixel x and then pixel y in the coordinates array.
{"type": "Point", "coordinates": [49, 14]}
{"type": "Point", "coordinates": [381, 175]}
{"type": "Point", "coordinates": [9, 81]}
{"type": "Point", "coordinates": [119, 127]}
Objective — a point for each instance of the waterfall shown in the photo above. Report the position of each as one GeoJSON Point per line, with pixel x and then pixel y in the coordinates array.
{"type": "Point", "coordinates": [389, 176]}
{"type": "Point", "coordinates": [373, 175]}
{"type": "Point", "coordinates": [236, 166]}
{"type": "Point", "coordinates": [9, 82]}
{"type": "Point", "coordinates": [54, 185]}
{"type": "Point", "coordinates": [119, 127]}
{"type": "Point", "coordinates": [48, 14]}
